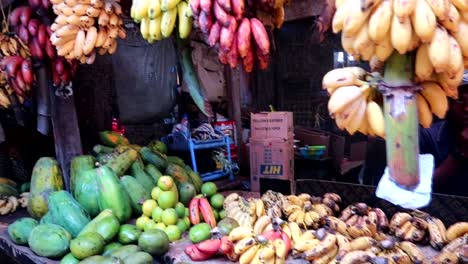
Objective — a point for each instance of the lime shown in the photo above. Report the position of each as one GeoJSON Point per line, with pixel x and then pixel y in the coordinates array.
{"type": "Point", "coordinates": [217, 201]}
{"type": "Point", "coordinates": [222, 214]}
{"type": "Point", "coordinates": [149, 226]}
{"type": "Point", "coordinates": [141, 221]}
{"type": "Point", "coordinates": [155, 193]}
{"type": "Point", "coordinates": [169, 216]}
{"type": "Point", "coordinates": [148, 207]}
{"type": "Point", "coordinates": [182, 225]}
{"type": "Point", "coordinates": [216, 214]}
{"type": "Point", "coordinates": [161, 226]}
{"type": "Point", "coordinates": [156, 214]}
{"type": "Point", "coordinates": [187, 221]}
{"type": "Point", "coordinates": [180, 209]}
{"type": "Point", "coordinates": [165, 183]}
{"type": "Point", "coordinates": [208, 189]}
{"type": "Point", "coordinates": [167, 199]}
{"type": "Point", "coordinates": [173, 233]}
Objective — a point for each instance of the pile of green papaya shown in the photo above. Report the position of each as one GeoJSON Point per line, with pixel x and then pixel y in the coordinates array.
{"type": "Point", "coordinates": [87, 224]}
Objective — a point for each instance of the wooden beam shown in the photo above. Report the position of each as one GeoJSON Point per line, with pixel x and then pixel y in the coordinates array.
{"type": "Point", "coordinates": [299, 9]}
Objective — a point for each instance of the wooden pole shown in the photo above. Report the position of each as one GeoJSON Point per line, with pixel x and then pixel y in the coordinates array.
{"type": "Point", "coordinates": [401, 120]}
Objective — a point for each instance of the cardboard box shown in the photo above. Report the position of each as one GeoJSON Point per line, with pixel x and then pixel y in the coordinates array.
{"type": "Point", "coordinates": [271, 158]}
{"type": "Point", "coordinates": [272, 125]}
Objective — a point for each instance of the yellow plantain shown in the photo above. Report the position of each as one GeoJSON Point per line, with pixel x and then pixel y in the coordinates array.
{"type": "Point", "coordinates": [248, 255]}
{"type": "Point", "coordinates": [375, 118]}
{"type": "Point", "coordinates": [452, 20]}
{"type": "Point", "coordinates": [380, 21]}
{"type": "Point", "coordinates": [423, 66]}
{"type": "Point", "coordinates": [384, 48]}
{"type": "Point", "coordinates": [400, 34]}
{"type": "Point", "coordinates": [244, 244]}
{"type": "Point", "coordinates": [424, 112]}
{"type": "Point", "coordinates": [355, 18]}
{"type": "Point", "coordinates": [457, 230]}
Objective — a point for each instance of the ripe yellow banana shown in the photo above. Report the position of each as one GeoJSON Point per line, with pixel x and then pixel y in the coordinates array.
{"type": "Point", "coordinates": [450, 84]}
{"type": "Point", "coordinates": [424, 21]}
{"type": "Point", "coordinates": [144, 27]}
{"type": "Point", "coordinates": [343, 245]}
{"type": "Point", "coordinates": [452, 20]}
{"type": "Point", "coordinates": [362, 243]}
{"type": "Point", "coordinates": [412, 251]}
{"type": "Point", "coordinates": [457, 230]}
{"type": "Point", "coordinates": [281, 251]}
{"type": "Point", "coordinates": [439, 50]}
{"type": "Point", "coordinates": [304, 245]}
{"type": "Point", "coordinates": [436, 234]}
{"type": "Point", "coordinates": [261, 223]}
{"type": "Point", "coordinates": [141, 9]}
{"type": "Point", "coordinates": [155, 28]}
{"type": "Point", "coordinates": [384, 48]}
{"type": "Point", "coordinates": [400, 34]}
{"type": "Point", "coordinates": [248, 255]}
{"type": "Point", "coordinates": [456, 57]}
{"type": "Point", "coordinates": [347, 42]}
{"type": "Point", "coordinates": [239, 233]}
{"type": "Point", "coordinates": [375, 118]}
{"type": "Point", "coordinates": [355, 18]}
{"type": "Point", "coordinates": [244, 244]}
{"type": "Point", "coordinates": [380, 21]}
{"type": "Point", "coordinates": [363, 45]}
{"type": "Point", "coordinates": [168, 22]}
{"type": "Point", "coordinates": [154, 9]}
{"type": "Point", "coordinates": [440, 8]}
{"type": "Point", "coordinates": [327, 257]}
{"type": "Point", "coordinates": [326, 245]}
{"type": "Point", "coordinates": [424, 112]}
{"type": "Point", "coordinates": [403, 8]}
{"type": "Point", "coordinates": [184, 21]}
{"type": "Point", "coordinates": [357, 118]}
{"type": "Point", "coordinates": [342, 77]}
{"type": "Point", "coordinates": [423, 66]}
{"type": "Point", "coordinates": [259, 208]}
{"type": "Point", "coordinates": [343, 118]}
{"type": "Point", "coordinates": [267, 253]}
{"type": "Point", "coordinates": [340, 16]}
{"type": "Point", "coordinates": [344, 96]}
{"type": "Point", "coordinates": [462, 37]}
{"type": "Point", "coordinates": [358, 256]}
{"type": "Point", "coordinates": [295, 231]}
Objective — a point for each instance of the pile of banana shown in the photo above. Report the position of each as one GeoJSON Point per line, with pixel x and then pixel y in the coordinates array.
{"type": "Point", "coordinates": [11, 203]}
{"type": "Point", "coordinates": [243, 211]}
{"type": "Point", "coordinates": [84, 28]}
{"type": "Point", "coordinates": [454, 252]}
{"type": "Point", "coordinates": [411, 227]}
{"type": "Point", "coordinates": [17, 72]}
{"type": "Point", "coordinates": [274, 203]}
{"type": "Point", "coordinates": [251, 248]}
{"type": "Point", "coordinates": [355, 101]}
{"type": "Point", "coordinates": [157, 18]}
{"type": "Point", "coordinates": [308, 211]}
{"type": "Point", "coordinates": [437, 29]}
{"type": "Point", "coordinates": [11, 45]}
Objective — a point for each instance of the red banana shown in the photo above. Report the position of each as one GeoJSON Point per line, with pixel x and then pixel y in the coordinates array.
{"type": "Point", "coordinates": [50, 50]}
{"type": "Point", "coordinates": [221, 15]}
{"type": "Point", "coordinates": [195, 6]}
{"type": "Point", "coordinates": [46, 4]}
{"type": "Point", "coordinates": [223, 56]}
{"type": "Point", "coordinates": [42, 35]}
{"type": "Point", "coordinates": [27, 71]}
{"type": "Point", "coordinates": [272, 235]}
{"type": "Point", "coordinates": [205, 5]}
{"type": "Point", "coordinates": [227, 35]}
{"type": "Point", "coordinates": [213, 38]}
{"type": "Point", "coordinates": [226, 246]}
{"type": "Point", "coordinates": [205, 21]}
{"type": "Point", "coordinates": [25, 15]}
{"type": "Point", "coordinates": [65, 77]}
{"type": "Point", "coordinates": [35, 48]}
{"type": "Point", "coordinates": [195, 254]}
{"type": "Point", "coordinates": [33, 26]}
{"type": "Point", "coordinates": [20, 81]}
{"type": "Point", "coordinates": [194, 211]}
{"type": "Point", "coordinates": [263, 61]}
{"type": "Point", "coordinates": [233, 54]}
{"type": "Point", "coordinates": [23, 34]}
{"type": "Point", "coordinates": [55, 78]}
{"type": "Point", "coordinates": [244, 37]}
{"type": "Point", "coordinates": [225, 4]}
{"type": "Point", "coordinates": [260, 36]}
{"type": "Point", "coordinates": [59, 66]}
{"type": "Point", "coordinates": [35, 4]}
{"type": "Point", "coordinates": [210, 246]}
{"type": "Point", "coordinates": [207, 212]}
{"type": "Point", "coordinates": [13, 64]}
{"type": "Point", "coordinates": [248, 60]}
{"type": "Point", "coordinates": [238, 7]}
{"type": "Point", "coordinates": [15, 15]}
{"type": "Point", "coordinates": [16, 88]}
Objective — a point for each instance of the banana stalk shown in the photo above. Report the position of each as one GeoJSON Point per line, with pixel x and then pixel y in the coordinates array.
{"type": "Point", "coordinates": [401, 120]}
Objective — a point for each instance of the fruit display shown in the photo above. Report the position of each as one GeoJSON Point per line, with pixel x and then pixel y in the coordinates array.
{"type": "Point", "coordinates": [82, 30]}
{"type": "Point", "coordinates": [159, 18]}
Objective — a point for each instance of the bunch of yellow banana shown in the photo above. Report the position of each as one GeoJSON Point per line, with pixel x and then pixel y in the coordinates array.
{"type": "Point", "coordinates": [11, 203]}
{"type": "Point", "coordinates": [157, 18]}
{"type": "Point", "coordinates": [457, 230]}
{"type": "Point", "coordinates": [241, 210]}
{"type": "Point", "coordinates": [4, 99]}
{"type": "Point", "coordinates": [408, 227]}
{"type": "Point", "coordinates": [351, 104]}
{"type": "Point", "coordinates": [274, 202]}
{"type": "Point", "coordinates": [437, 232]}
{"type": "Point", "coordinates": [360, 220]}
{"type": "Point", "coordinates": [85, 28]}
{"type": "Point", "coordinates": [316, 246]}
{"type": "Point", "coordinates": [454, 252]}
{"type": "Point", "coordinates": [12, 45]}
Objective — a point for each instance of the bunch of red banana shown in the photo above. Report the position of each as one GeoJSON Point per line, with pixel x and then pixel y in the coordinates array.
{"type": "Point", "coordinates": [237, 37]}
{"type": "Point", "coordinates": [63, 70]}
{"type": "Point", "coordinates": [210, 248]}
{"type": "Point", "coordinates": [32, 32]}
{"type": "Point", "coordinates": [86, 27]}
{"type": "Point", "coordinates": [201, 205]}
{"type": "Point", "coordinates": [40, 4]}
{"type": "Point", "coordinates": [19, 72]}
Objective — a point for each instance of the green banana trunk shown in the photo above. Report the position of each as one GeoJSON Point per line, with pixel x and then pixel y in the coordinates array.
{"type": "Point", "coordinates": [401, 120]}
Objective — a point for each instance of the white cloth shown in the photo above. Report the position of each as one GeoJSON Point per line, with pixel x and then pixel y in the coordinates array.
{"type": "Point", "coordinates": [417, 198]}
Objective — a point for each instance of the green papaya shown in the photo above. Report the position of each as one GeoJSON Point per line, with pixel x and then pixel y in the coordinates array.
{"type": "Point", "coordinates": [49, 240]}
{"type": "Point", "coordinates": [69, 259]}
{"type": "Point", "coordinates": [120, 161]}
{"type": "Point", "coordinates": [138, 258]}
{"type": "Point", "coordinates": [158, 146]}
{"type": "Point", "coordinates": [112, 139]}
{"type": "Point", "coordinates": [157, 159]}
{"type": "Point", "coordinates": [176, 160]}
{"type": "Point", "coordinates": [112, 195]}
{"type": "Point", "coordinates": [46, 178]}
{"type": "Point", "coordinates": [7, 190]}
{"type": "Point", "coordinates": [105, 224]}
{"type": "Point", "coordinates": [67, 212]}
{"type": "Point", "coordinates": [78, 165]}
{"type": "Point", "coordinates": [86, 191]}
{"type": "Point", "coordinates": [178, 173]}
{"type": "Point", "coordinates": [125, 251]}
{"type": "Point", "coordinates": [20, 230]}
{"type": "Point", "coordinates": [152, 171]}
{"type": "Point", "coordinates": [25, 187]}
{"type": "Point", "coordinates": [100, 149]}
{"type": "Point", "coordinates": [138, 171]}
{"type": "Point", "coordinates": [110, 248]}
{"type": "Point", "coordinates": [137, 193]}
{"type": "Point", "coordinates": [186, 192]}
{"type": "Point", "coordinates": [47, 219]}
{"type": "Point", "coordinates": [196, 180]}
{"type": "Point", "coordinates": [87, 245]}
{"type": "Point", "coordinates": [129, 234]}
